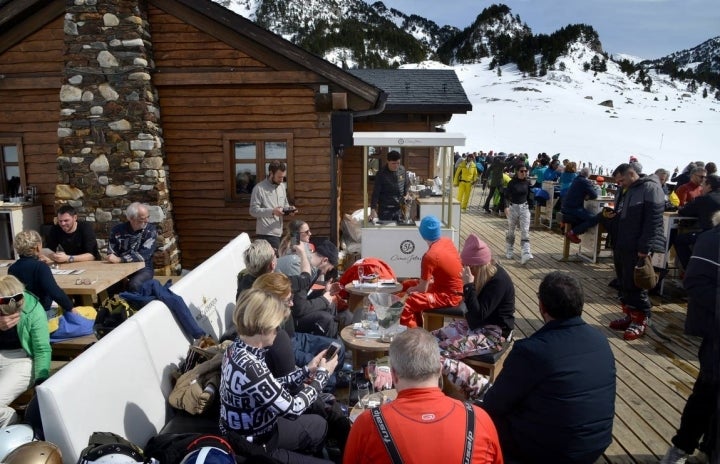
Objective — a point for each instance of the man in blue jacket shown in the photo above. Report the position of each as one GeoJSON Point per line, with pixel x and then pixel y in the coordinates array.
{"type": "Point", "coordinates": [554, 400]}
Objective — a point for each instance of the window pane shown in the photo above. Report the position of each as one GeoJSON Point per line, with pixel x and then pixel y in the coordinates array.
{"type": "Point", "coordinates": [276, 150]}
{"type": "Point", "coordinates": [245, 177]}
{"type": "Point", "coordinates": [12, 171]}
{"type": "Point", "coordinates": [245, 151]}
{"type": "Point", "coordinates": [10, 154]}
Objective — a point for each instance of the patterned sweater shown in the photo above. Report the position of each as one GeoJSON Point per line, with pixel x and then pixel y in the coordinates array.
{"type": "Point", "coordinates": [251, 399]}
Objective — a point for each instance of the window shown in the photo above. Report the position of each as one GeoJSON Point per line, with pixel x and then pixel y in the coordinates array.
{"type": "Point", "coordinates": [11, 167]}
{"type": "Point", "coordinates": [248, 156]}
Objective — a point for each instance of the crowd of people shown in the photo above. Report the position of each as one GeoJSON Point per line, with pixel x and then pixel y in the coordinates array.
{"type": "Point", "coordinates": [553, 401]}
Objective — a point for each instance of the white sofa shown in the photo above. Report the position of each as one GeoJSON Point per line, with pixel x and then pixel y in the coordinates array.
{"type": "Point", "coordinates": [121, 383]}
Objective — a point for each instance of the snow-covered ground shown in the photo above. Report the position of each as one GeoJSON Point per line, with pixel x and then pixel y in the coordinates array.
{"type": "Point", "coordinates": [561, 113]}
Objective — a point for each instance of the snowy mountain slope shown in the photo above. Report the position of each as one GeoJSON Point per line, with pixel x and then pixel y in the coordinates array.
{"type": "Point", "coordinates": [561, 113]}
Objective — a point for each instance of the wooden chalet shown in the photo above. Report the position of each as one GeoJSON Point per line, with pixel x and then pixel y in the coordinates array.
{"type": "Point", "coordinates": [181, 104]}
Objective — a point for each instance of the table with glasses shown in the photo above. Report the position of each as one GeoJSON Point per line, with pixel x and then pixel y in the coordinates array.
{"type": "Point", "coordinates": [357, 292]}
{"type": "Point", "coordinates": [89, 280]}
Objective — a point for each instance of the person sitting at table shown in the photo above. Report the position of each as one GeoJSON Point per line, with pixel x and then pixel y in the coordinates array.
{"type": "Point", "coordinates": [554, 400]}
{"type": "Point", "coordinates": [489, 296]}
{"type": "Point", "coordinates": [326, 406]}
{"type": "Point", "coordinates": [36, 275]}
{"type": "Point", "coordinates": [70, 240]}
{"type": "Point", "coordinates": [24, 345]}
{"type": "Point", "coordinates": [440, 284]}
{"type": "Point", "coordinates": [257, 411]}
{"type": "Point", "coordinates": [703, 208]}
{"type": "Point", "coordinates": [297, 231]}
{"type": "Point", "coordinates": [573, 205]}
{"type": "Point", "coordinates": [134, 241]}
{"type": "Point", "coordinates": [422, 424]}
{"type": "Point", "coordinates": [290, 348]}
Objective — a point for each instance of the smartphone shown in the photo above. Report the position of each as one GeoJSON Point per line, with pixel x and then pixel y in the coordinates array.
{"type": "Point", "coordinates": [295, 240]}
{"type": "Point", "coordinates": [332, 350]}
{"type": "Point", "coordinates": [288, 210]}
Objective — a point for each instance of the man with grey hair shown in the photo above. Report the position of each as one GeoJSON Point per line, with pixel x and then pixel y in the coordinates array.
{"type": "Point", "coordinates": [422, 424]}
{"type": "Point", "coordinates": [573, 205]}
{"type": "Point", "coordinates": [134, 241]}
{"type": "Point", "coordinates": [693, 189]}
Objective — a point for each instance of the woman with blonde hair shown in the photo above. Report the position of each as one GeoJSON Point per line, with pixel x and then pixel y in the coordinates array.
{"type": "Point", "coordinates": [24, 344]}
{"type": "Point", "coordinates": [489, 295]}
{"type": "Point", "coordinates": [35, 274]}
{"type": "Point", "coordinates": [257, 411]}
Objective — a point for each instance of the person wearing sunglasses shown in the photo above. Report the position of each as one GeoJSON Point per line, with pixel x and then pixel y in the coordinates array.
{"type": "Point", "coordinates": [35, 274]}
{"type": "Point", "coordinates": [519, 199]}
{"type": "Point", "coordinates": [693, 189]}
{"type": "Point", "coordinates": [24, 344]}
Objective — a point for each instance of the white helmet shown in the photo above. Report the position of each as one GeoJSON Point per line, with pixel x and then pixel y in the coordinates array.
{"type": "Point", "coordinates": [13, 436]}
{"type": "Point", "coordinates": [115, 453]}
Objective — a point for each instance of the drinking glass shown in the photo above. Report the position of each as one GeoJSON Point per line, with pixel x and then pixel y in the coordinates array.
{"type": "Point", "coordinates": [363, 393]}
{"type": "Point", "coordinates": [371, 373]}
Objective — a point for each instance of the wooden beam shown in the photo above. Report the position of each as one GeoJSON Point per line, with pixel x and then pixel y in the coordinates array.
{"type": "Point", "coordinates": [36, 15]}
{"type": "Point", "coordinates": [165, 77]}
{"type": "Point", "coordinates": [36, 82]}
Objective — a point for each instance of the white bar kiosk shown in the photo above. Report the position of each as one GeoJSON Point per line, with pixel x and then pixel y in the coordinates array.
{"type": "Point", "coordinates": [398, 243]}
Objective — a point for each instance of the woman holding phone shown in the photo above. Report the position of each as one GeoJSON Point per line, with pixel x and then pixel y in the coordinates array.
{"type": "Point", "coordinates": [257, 412]}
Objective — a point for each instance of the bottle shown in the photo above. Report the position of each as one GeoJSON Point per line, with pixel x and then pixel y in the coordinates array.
{"type": "Point", "coordinates": [372, 318]}
{"type": "Point", "coordinates": [603, 190]}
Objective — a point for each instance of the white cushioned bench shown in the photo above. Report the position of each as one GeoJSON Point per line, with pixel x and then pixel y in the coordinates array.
{"type": "Point", "coordinates": [121, 383]}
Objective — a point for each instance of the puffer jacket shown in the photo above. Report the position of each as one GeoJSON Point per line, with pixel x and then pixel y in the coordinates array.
{"type": "Point", "coordinates": [640, 227]}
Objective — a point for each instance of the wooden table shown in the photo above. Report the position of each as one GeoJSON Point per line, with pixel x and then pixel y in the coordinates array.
{"type": "Point", "coordinates": [363, 348]}
{"type": "Point", "coordinates": [101, 275]}
{"type": "Point", "coordinates": [72, 347]}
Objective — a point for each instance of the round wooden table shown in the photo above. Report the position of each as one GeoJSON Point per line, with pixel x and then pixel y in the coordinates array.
{"type": "Point", "coordinates": [369, 347]}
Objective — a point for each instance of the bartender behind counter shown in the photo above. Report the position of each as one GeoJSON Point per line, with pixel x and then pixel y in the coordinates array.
{"type": "Point", "coordinates": [391, 186]}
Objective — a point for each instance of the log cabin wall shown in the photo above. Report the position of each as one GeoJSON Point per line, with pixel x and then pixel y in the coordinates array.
{"type": "Point", "coordinates": [32, 75]}
{"type": "Point", "coordinates": [200, 121]}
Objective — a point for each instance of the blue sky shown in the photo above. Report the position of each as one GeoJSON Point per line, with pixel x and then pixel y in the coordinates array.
{"type": "Point", "coordinates": [643, 28]}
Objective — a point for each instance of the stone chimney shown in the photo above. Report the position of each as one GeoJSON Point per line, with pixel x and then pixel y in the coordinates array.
{"type": "Point", "coordinates": [111, 150]}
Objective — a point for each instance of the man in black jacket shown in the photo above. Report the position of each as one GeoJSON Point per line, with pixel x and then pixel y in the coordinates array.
{"type": "Point", "coordinates": [639, 233]}
{"type": "Point", "coordinates": [554, 401]}
{"type": "Point", "coordinates": [700, 415]}
{"type": "Point", "coordinates": [391, 187]}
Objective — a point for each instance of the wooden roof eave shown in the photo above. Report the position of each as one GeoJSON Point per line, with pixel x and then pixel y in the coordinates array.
{"type": "Point", "coordinates": [21, 18]}
{"type": "Point", "coordinates": [242, 33]}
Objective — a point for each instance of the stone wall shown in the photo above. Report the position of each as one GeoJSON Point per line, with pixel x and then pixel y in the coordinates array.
{"type": "Point", "coordinates": [110, 137]}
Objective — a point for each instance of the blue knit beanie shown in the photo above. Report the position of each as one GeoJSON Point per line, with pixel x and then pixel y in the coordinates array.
{"type": "Point", "coordinates": [430, 228]}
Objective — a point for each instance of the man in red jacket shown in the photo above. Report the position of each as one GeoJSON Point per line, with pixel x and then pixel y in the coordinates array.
{"type": "Point", "coordinates": [440, 284]}
{"type": "Point", "coordinates": [422, 424]}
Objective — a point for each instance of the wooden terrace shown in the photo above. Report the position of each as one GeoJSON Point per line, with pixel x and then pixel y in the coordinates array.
{"type": "Point", "coordinates": [654, 376]}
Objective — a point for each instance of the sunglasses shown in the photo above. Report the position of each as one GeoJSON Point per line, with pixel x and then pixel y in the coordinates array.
{"type": "Point", "coordinates": [84, 281]}
{"type": "Point", "coordinates": [11, 299]}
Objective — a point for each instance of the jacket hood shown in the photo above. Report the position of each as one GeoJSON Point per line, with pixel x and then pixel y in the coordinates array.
{"type": "Point", "coordinates": [645, 179]}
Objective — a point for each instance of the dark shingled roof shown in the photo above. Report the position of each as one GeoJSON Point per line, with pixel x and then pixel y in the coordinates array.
{"type": "Point", "coordinates": [418, 90]}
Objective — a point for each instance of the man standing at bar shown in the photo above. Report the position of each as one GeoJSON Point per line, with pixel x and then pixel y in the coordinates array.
{"type": "Point", "coordinates": [391, 186]}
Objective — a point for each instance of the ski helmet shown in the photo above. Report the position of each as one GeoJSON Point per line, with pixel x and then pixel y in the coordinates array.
{"type": "Point", "coordinates": [208, 455]}
{"type": "Point", "coordinates": [35, 452]}
{"type": "Point", "coordinates": [13, 436]}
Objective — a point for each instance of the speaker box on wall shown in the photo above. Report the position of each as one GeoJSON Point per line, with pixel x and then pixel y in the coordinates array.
{"type": "Point", "coordinates": [341, 128]}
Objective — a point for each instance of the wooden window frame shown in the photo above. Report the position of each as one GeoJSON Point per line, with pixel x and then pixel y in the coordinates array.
{"type": "Point", "coordinates": [7, 140]}
{"type": "Point", "coordinates": [229, 140]}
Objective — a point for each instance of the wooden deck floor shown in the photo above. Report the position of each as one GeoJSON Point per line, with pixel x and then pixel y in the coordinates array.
{"type": "Point", "coordinates": [654, 377]}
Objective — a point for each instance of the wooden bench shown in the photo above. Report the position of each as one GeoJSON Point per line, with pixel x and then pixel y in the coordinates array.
{"type": "Point", "coordinates": [435, 318]}
{"type": "Point", "coordinates": [489, 364]}
{"type": "Point", "coordinates": [72, 347]}
{"type": "Point", "coordinates": [565, 227]}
